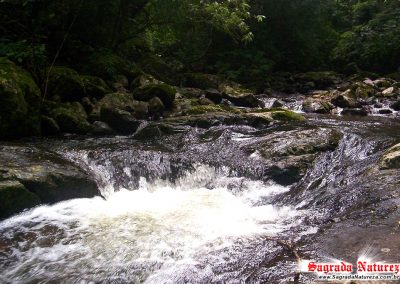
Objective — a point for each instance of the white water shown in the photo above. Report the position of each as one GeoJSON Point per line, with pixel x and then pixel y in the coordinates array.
{"type": "Point", "coordinates": [151, 234]}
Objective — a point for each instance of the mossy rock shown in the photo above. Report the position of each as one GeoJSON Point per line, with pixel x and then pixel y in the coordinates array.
{"type": "Point", "coordinates": [14, 197]}
{"type": "Point", "coordinates": [122, 101]}
{"type": "Point", "coordinates": [71, 117]}
{"type": "Point", "coordinates": [203, 109]}
{"type": "Point", "coordinates": [66, 84]}
{"type": "Point", "coordinates": [283, 115]}
{"type": "Point", "coordinates": [142, 81]}
{"type": "Point", "coordinates": [120, 120]}
{"type": "Point", "coordinates": [95, 87]}
{"type": "Point", "coordinates": [164, 92]}
{"type": "Point", "coordinates": [155, 130]}
{"type": "Point", "coordinates": [361, 90]}
{"type": "Point", "coordinates": [19, 102]}
{"type": "Point", "coordinates": [238, 95]}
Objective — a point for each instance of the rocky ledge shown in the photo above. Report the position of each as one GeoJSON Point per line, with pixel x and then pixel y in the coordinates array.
{"type": "Point", "coordinates": [30, 176]}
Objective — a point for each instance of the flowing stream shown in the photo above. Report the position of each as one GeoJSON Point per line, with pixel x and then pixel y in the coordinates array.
{"type": "Point", "coordinates": [194, 207]}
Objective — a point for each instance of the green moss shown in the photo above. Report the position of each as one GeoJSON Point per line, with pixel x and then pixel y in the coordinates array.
{"type": "Point", "coordinates": [65, 83]}
{"type": "Point", "coordinates": [72, 118]}
{"type": "Point", "coordinates": [164, 92]}
{"type": "Point", "coordinates": [202, 109]}
{"type": "Point", "coordinates": [19, 102]}
{"type": "Point", "coordinates": [283, 114]}
{"type": "Point", "coordinates": [14, 197]}
{"type": "Point", "coordinates": [95, 86]}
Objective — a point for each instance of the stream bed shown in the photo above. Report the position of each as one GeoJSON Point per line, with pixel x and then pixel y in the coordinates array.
{"type": "Point", "coordinates": [212, 206]}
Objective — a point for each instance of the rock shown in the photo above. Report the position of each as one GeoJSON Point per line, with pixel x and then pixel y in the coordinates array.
{"type": "Point", "coordinates": [354, 112]}
{"type": "Point", "coordinates": [164, 92]}
{"type": "Point", "coordinates": [363, 91]}
{"type": "Point", "coordinates": [49, 126]}
{"type": "Point", "coordinates": [378, 105]}
{"type": "Point", "coordinates": [156, 107]}
{"type": "Point", "coordinates": [317, 107]}
{"type": "Point", "coordinates": [344, 101]}
{"type": "Point", "coordinates": [286, 115]}
{"type": "Point", "coordinates": [101, 129]}
{"type": "Point", "coordinates": [288, 154]}
{"type": "Point", "coordinates": [120, 120]}
{"type": "Point", "coordinates": [95, 87]}
{"type": "Point", "coordinates": [144, 80]}
{"type": "Point", "coordinates": [396, 106]}
{"type": "Point", "coordinates": [211, 109]}
{"type": "Point", "coordinates": [213, 95]}
{"type": "Point", "coordinates": [391, 158]}
{"type": "Point", "coordinates": [238, 95]}
{"type": "Point", "coordinates": [19, 102]}
{"type": "Point", "coordinates": [71, 118]}
{"type": "Point", "coordinates": [120, 83]}
{"type": "Point", "coordinates": [382, 83]}
{"type": "Point", "coordinates": [66, 84]}
{"type": "Point", "coordinates": [155, 130]}
{"type": "Point", "coordinates": [278, 104]}
{"type": "Point", "coordinates": [121, 101]}
{"type": "Point", "coordinates": [385, 111]}
{"type": "Point", "coordinates": [204, 101]}
{"type": "Point", "coordinates": [388, 92]}
{"type": "Point", "coordinates": [14, 198]}
{"type": "Point", "coordinates": [202, 81]}
{"type": "Point", "coordinates": [39, 177]}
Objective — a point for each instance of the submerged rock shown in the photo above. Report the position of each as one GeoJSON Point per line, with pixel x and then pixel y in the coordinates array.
{"type": "Point", "coordinates": [29, 176]}
{"type": "Point", "coordinates": [19, 102]}
{"type": "Point", "coordinates": [391, 158]}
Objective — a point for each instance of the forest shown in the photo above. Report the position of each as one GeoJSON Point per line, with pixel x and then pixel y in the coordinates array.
{"type": "Point", "coordinates": [198, 141]}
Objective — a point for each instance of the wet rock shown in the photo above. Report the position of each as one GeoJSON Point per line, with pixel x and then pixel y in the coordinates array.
{"type": "Point", "coordinates": [14, 197]}
{"type": "Point", "coordinates": [396, 106]}
{"type": "Point", "coordinates": [385, 111]}
{"type": "Point", "coordinates": [95, 87]}
{"type": "Point", "coordinates": [317, 107]}
{"type": "Point", "coordinates": [345, 101]}
{"type": "Point", "coordinates": [30, 176]}
{"type": "Point", "coordinates": [19, 102]}
{"type": "Point", "coordinates": [155, 130]}
{"type": "Point", "coordinates": [391, 158]}
{"type": "Point", "coordinates": [278, 104]}
{"type": "Point", "coordinates": [238, 95]}
{"type": "Point", "coordinates": [66, 84]}
{"type": "Point", "coordinates": [288, 154]}
{"type": "Point", "coordinates": [354, 112]}
{"type": "Point", "coordinates": [120, 120]}
{"type": "Point", "coordinates": [71, 118]}
{"type": "Point", "coordinates": [164, 92]}
{"type": "Point", "coordinates": [101, 128]}
{"type": "Point", "coordinates": [49, 126]}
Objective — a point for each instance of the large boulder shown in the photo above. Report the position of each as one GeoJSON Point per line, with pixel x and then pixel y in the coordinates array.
{"type": "Point", "coordinates": [121, 101]}
{"type": "Point", "coordinates": [95, 87]}
{"type": "Point", "coordinates": [345, 100]}
{"type": "Point", "coordinates": [71, 118]}
{"type": "Point", "coordinates": [65, 84]}
{"type": "Point", "coordinates": [121, 121]}
{"type": "Point", "coordinates": [238, 95]}
{"type": "Point", "coordinates": [29, 176]}
{"type": "Point", "coordinates": [164, 92]}
{"type": "Point", "coordinates": [19, 102]}
{"type": "Point", "coordinates": [322, 107]}
{"type": "Point", "coordinates": [391, 158]}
